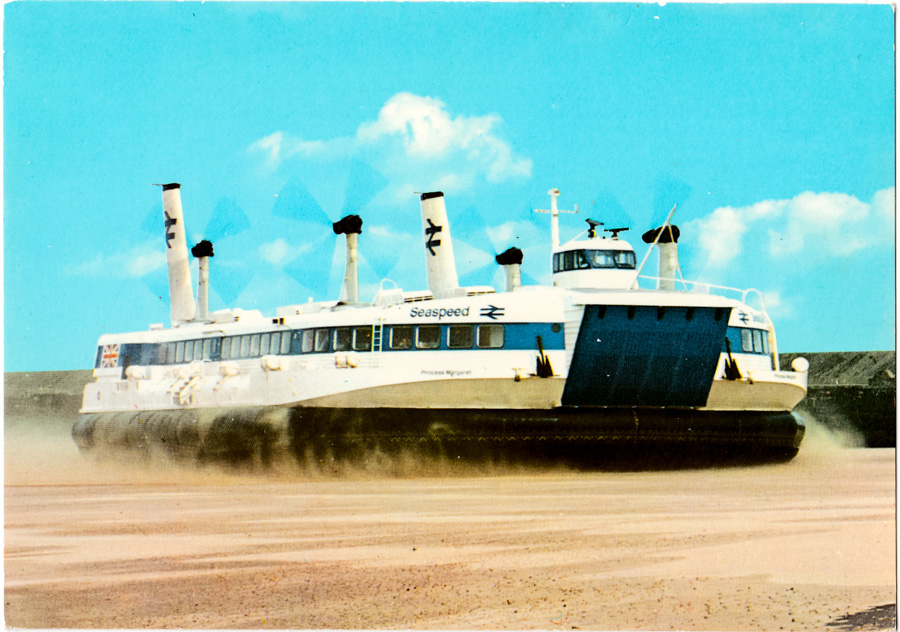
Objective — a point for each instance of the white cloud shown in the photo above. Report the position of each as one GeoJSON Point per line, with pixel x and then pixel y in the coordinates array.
{"type": "Point", "coordinates": [884, 205]}
{"type": "Point", "coordinates": [720, 234]}
{"type": "Point", "coordinates": [809, 226]}
{"type": "Point", "coordinates": [834, 221]}
{"type": "Point", "coordinates": [279, 148]}
{"type": "Point", "coordinates": [417, 144]}
{"type": "Point", "coordinates": [138, 261]}
{"type": "Point", "coordinates": [388, 232]}
{"type": "Point", "coordinates": [280, 251]}
{"type": "Point", "coordinates": [776, 305]}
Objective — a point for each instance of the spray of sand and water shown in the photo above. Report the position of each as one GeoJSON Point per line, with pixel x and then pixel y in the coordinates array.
{"type": "Point", "coordinates": [39, 450]}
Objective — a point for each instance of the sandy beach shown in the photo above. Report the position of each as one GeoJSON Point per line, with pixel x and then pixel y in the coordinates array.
{"type": "Point", "coordinates": [804, 545]}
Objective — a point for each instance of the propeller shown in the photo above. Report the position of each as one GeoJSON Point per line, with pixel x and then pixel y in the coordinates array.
{"type": "Point", "coordinates": [231, 276]}
{"type": "Point", "coordinates": [477, 245]}
{"type": "Point", "coordinates": [318, 267]}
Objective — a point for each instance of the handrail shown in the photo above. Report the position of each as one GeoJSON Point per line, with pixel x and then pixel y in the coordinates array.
{"type": "Point", "coordinates": [704, 288]}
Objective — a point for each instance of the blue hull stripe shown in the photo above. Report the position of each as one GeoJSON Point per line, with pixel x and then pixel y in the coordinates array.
{"type": "Point", "coordinates": [645, 356]}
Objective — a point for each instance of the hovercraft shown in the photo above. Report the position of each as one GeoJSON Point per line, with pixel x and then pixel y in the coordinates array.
{"type": "Point", "coordinates": [591, 370]}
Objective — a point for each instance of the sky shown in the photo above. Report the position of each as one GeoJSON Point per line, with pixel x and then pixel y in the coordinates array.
{"type": "Point", "coordinates": [771, 127]}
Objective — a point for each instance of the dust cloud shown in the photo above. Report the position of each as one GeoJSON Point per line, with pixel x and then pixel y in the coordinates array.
{"type": "Point", "coordinates": [39, 450]}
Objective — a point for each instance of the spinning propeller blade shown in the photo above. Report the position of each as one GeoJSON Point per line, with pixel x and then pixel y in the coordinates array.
{"type": "Point", "coordinates": [363, 184]}
{"type": "Point", "coordinates": [296, 202]}
{"type": "Point", "coordinates": [228, 220]}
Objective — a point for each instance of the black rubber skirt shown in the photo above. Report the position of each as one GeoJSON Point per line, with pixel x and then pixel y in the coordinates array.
{"type": "Point", "coordinates": [582, 437]}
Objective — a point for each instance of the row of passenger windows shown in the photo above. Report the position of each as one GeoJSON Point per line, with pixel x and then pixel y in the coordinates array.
{"type": "Point", "coordinates": [587, 259]}
{"type": "Point", "coordinates": [323, 340]}
{"type": "Point", "coordinates": [401, 337]}
{"type": "Point", "coordinates": [232, 347]}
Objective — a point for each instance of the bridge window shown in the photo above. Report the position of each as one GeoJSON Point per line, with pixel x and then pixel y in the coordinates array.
{"type": "Point", "coordinates": [285, 342]}
{"type": "Point", "coordinates": [362, 338]}
{"type": "Point", "coordinates": [401, 337]}
{"type": "Point", "coordinates": [460, 336]}
{"type": "Point", "coordinates": [599, 259]}
{"type": "Point", "coordinates": [490, 336]}
{"type": "Point", "coordinates": [179, 352]}
{"type": "Point", "coordinates": [428, 337]}
{"type": "Point", "coordinates": [602, 258]}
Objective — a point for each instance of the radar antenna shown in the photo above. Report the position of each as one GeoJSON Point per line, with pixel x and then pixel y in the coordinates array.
{"type": "Point", "coordinates": [615, 231]}
{"type": "Point", "coordinates": [592, 231]}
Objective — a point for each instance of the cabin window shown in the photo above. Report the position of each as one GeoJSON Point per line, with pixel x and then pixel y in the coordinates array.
{"type": "Point", "coordinates": [557, 262]}
{"type": "Point", "coordinates": [323, 339]}
{"type": "Point", "coordinates": [207, 348]}
{"type": "Point", "coordinates": [569, 260]}
{"type": "Point", "coordinates": [245, 346]}
{"type": "Point", "coordinates": [428, 337]}
{"type": "Point", "coordinates": [285, 342]}
{"type": "Point", "coordinates": [747, 340]}
{"type": "Point", "coordinates": [179, 352]}
{"type": "Point", "coordinates": [264, 343]}
{"type": "Point", "coordinates": [342, 339]}
{"type": "Point", "coordinates": [254, 345]}
{"type": "Point", "coordinates": [625, 259]}
{"type": "Point", "coordinates": [757, 341]}
{"type": "Point", "coordinates": [490, 336]}
{"type": "Point", "coordinates": [307, 342]}
{"type": "Point", "coordinates": [362, 338]}
{"type": "Point", "coordinates": [602, 258]}
{"type": "Point", "coordinates": [401, 337]}
{"type": "Point", "coordinates": [460, 336]}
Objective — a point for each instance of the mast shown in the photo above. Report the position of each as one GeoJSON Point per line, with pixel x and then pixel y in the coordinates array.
{"type": "Point", "coordinates": [554, 216]}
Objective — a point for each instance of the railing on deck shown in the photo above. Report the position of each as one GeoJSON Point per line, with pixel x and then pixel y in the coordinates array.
{"type": "Point", "coordinates": [698, 287]}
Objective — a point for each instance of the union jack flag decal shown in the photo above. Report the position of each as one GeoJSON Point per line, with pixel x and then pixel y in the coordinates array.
{"type": "Point", "coordinates": [110, 357]}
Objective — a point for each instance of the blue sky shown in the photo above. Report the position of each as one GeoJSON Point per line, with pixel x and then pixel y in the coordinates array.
{"type": "Point", "coordinates": [771, 127]}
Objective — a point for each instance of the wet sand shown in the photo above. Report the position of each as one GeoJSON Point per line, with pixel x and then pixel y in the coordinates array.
{"type": "Point", "coordinates": [794, 546]}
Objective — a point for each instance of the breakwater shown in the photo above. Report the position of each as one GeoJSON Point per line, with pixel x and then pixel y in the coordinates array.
{"type": "Point", "coordinates": [853, 392]}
